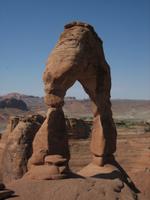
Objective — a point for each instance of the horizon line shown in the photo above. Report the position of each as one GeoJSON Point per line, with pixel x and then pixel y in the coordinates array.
{"type": "Point", "coordinates": [118, 98]}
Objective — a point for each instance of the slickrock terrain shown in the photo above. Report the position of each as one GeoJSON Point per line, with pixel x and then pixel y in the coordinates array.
{"type": "Point", "coordinates": [72, 189]}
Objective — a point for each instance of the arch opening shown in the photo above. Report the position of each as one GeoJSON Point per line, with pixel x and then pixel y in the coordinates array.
{"type": "Point", "coordinates": [78, 113]}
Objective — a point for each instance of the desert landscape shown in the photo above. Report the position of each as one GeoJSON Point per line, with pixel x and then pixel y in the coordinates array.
{"type": "Point", "coordinates": [74, 100]}
{"type": "Point", "coordinates": [133, 127]}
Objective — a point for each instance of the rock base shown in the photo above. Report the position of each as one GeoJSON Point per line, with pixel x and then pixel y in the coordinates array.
{"type": "Point", "coordinates": [44, 172]}
{"type": "Point", "coordinates": [92, 170]}
{"type": "Point", "coordinates": [72, 189]}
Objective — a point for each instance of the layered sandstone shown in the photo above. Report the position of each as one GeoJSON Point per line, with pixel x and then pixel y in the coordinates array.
{"type": "Point", "coordinates": [78, 55]}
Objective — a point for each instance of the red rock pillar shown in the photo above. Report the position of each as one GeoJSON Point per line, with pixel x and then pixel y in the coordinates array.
{"type": "Point", "coordinates": [103, 136]}
{"type": "Point", "coordinates": [103, 142]}
{"type": "Point", "coordinates": [97, 86]}
{"type": "Point", "coordinates": [50, 148]}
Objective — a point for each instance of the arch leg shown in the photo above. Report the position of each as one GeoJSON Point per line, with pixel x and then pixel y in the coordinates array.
{"type": "Point", "coordinates": [103, 142]}
{"type": "Point", "coordinates": [50, 147]}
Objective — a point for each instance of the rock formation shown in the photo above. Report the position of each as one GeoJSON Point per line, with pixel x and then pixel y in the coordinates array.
{"type": "Point", "coordinates": [16, 146]}
{"type": "Point", "coordinates": [13, 103]}
{"type": "Point", "coordinates": [41, 143]}
{"type": "Point", "coordinates": [16, 143]}
{"type": "Point", "coordinates": [78, 55]}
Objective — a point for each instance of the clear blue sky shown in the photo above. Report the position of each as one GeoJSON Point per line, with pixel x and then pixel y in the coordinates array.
{"type": "Point", "coordinates": [29, 30]}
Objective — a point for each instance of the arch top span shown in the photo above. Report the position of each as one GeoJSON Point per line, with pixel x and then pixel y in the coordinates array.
{"type": "Point", "coordinates": [78, 23]}
{"type": "Point", "coordinates": [84, 25]}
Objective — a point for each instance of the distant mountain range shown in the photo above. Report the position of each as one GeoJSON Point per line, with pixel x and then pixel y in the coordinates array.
{"type": "Point", "coordinates": [122, 109]}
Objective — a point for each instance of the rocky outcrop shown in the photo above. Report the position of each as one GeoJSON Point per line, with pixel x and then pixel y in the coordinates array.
{"type": "Point", "coordinates": [16, 145]}
{"type": "Point", "coordinates": [13, 103]}
{"type": "Point", "coordinates": [13, 121]}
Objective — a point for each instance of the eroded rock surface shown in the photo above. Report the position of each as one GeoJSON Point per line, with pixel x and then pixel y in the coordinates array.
{"type": "Point", "coordinates": [78, 55]}
{"type": "Point", "coordinates": [16, 146]}
{"type": "Point", "coordinates": [73, 189]}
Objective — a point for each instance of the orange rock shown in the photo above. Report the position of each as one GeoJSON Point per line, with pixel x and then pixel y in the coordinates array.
{"type": "Point", "coordinates": [78, 55]}
{"type": "Point", "coordinates": [17, 146]}
{"type": "Point", "coordinates": [44, 172]}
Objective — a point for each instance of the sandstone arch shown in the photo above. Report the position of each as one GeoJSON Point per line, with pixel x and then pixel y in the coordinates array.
{"type": "Point", "coordinates": [78, 55]}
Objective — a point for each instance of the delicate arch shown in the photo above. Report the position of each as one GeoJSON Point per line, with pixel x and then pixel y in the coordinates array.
{"type": "Point", "coordinates": [78, 55]}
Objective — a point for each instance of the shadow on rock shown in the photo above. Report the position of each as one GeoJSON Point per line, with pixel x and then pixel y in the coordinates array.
{"type": "Point", "coordinates": [75, 175]}
{"type": "Point", "coordinates": [121, 174]}
{"type": "Point", "coordinates": [125, 178]}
